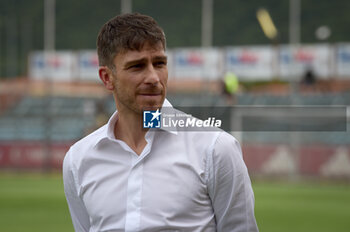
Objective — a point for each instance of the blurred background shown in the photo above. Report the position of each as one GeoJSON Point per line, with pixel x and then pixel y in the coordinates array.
{"type": "Point", "coordinates": [238, 54]}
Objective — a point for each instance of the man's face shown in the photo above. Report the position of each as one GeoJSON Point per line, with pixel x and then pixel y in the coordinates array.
{"type": "Point", "coordinates": [140, 79]}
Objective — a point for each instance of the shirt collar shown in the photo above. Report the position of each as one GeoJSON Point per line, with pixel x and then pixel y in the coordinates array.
{"type": "Point", "coordinates": [108, 131]}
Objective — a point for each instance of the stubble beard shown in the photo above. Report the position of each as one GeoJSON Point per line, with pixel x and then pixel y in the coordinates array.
{"type": "Point", "coordinates": [128, 101]}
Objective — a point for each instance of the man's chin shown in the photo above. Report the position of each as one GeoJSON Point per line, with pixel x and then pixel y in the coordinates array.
{"type": "Point", "coordinates": [152, 105]}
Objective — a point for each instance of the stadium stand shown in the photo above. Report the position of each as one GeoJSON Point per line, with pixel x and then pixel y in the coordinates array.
{"type": "Point", "coordinates": [71, 117]}
{"type": "Point", "coordinates": [33, 118]}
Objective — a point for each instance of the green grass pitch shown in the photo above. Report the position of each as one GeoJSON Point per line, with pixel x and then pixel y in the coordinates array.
{"type": "Point", "coordinates": [36, 203]}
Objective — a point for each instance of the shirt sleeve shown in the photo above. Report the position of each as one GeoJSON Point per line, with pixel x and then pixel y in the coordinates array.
{"type": "Point", "coordinates": [229, 187]}
{"type": "Point", "coordinates": [80, 217]}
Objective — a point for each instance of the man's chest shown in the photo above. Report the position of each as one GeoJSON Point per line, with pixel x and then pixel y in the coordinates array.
{"type": "Point", "coordinates": [157, 191]}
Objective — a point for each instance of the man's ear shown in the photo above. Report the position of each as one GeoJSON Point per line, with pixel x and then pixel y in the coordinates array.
{"type": "Point", "coordinates": [106, 77]}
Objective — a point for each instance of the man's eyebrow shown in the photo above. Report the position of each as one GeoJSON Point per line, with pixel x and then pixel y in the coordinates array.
{"type": "Point", "coordinates": [160, 58]}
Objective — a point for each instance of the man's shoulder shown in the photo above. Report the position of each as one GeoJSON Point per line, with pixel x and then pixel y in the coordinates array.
{"type": "Point", "coordinates": [218, 141]}
{"type": "Point", "coordinates": [80, 151]}
{"type": "Point", "coordinates": [219, 136]}
{"type": "Point", "coordinates": [89, 141]}
{"type": "Point", "coordinates": [209, 139]}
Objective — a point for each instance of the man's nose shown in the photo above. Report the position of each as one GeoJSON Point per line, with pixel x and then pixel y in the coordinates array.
{"type": "Point", "coordinates": [151, 75]}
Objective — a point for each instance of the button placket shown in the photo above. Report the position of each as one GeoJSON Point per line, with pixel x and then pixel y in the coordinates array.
{"type": "Point", "coordinates": [134, 194]}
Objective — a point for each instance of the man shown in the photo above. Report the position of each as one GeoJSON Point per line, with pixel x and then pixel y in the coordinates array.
{"type": "Point", "coordinates": [125, 178]}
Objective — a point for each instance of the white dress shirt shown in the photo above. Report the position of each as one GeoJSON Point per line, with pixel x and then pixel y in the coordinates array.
{"type": "Point", "coordinates": [182, 181]}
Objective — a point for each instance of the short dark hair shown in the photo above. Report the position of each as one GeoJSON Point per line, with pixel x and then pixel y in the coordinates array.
{"type": "Point", "coordinates": [127, 32]}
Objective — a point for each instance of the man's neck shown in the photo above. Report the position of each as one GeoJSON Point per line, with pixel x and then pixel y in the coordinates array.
{"type": "Point", "coordinates": [128, 128]}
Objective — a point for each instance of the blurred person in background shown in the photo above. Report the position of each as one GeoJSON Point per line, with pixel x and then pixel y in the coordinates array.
{"type": "Point", "coordinates": [309, 80]}
{"type": "Point", "coordinates": [125, 178]}
{"type": "Point", "coordinates": [230, 85]}
{"type": "Point", "coordinates": [309, 77]}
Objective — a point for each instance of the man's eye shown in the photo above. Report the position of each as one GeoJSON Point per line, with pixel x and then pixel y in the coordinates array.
{"type": "Point", "coordinates": [136, 66]}
{"type": "Point", "coordinates": [160, 63]}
